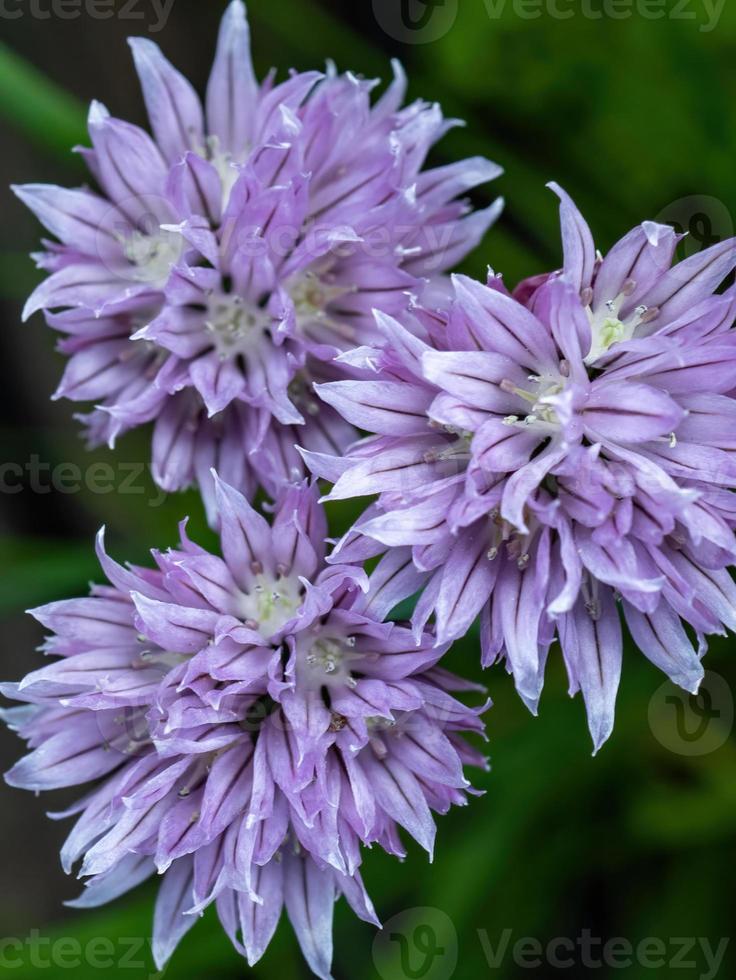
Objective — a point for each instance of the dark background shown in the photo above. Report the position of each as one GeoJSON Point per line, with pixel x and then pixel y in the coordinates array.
{"type": "Point", "coordinates": [637, 118]}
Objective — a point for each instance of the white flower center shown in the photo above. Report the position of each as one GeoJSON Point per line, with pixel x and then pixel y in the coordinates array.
{"type": "Point", "coordinates": [152, 255]}
{"type": "Point", "coordinates": [328, 662]}
{"type": "Point", "coordinates": [234, 323]}
{"type": "Point", "coordinates": [311, 293]}
{"type": "Point", "coordinates": [606, 326]}
{"type": "Point", "coordinates": [270, 604]}
{"type": "Point", "coordinates": [542, 413]}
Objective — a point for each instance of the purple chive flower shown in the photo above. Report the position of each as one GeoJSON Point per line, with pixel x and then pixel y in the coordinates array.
{"type": "Point", "coordinates": [228, 258]}
{"type": "Point", "coordinates": [249, 721]}
{"type": "Point", "coordinates": [550, 460]}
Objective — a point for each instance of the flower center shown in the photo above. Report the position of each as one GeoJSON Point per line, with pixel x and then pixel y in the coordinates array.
{"type": "Point", "coordinates": [503, 536]}
{"type": "Point", "coordinates": [270, 604]}
{"type": "Point", "coordinates": [152, 255]}
{"type": "Point", "coordinates": [328, 662]}
{"type": "Point", "coordinates": [234, 323]}
{"type": "Point", "coordinates": [606, 326]}
{"type": "Point", "coordinates": [542, 412]}
{"type": "Point", "coordinates": [311, 294]}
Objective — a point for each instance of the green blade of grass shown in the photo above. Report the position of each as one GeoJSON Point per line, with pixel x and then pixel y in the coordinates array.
{"type": "Point", "coordinates": [39, 108]}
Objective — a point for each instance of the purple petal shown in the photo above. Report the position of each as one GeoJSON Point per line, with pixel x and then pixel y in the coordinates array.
{"type": "Point", "coordinates": [176, 628]}
{"type": "Point", "coordinates": [258, 920]}
{"type": "Point", "coordinates": [467, 581]}
{"type": "Point", "coordinates": [592, 645]}
{"type": "Point", "coordinates": [232, 90]}
{"type": "Point", "coordinates": [662, 639]}
{"type": "Point", "coordinates": [577, 241]}
{"type": "Point", "coordinates": [245, 536]}
{"type": "Point", "coordinates": [630, 412]}
{"type": "Point", "coordinates": [385, 407]}
{"type": "Point", "coordinates": [309, 895]}
{"type": "Point", "coordinates": [173, 106]}
{"type": "Point", "coordinates": [170, 924]}
{"type": "Point", "coordinates": [77, 217]}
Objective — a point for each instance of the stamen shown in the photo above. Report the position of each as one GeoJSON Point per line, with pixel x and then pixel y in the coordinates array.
{"type": "Point", "coordinates": [651, 314]}
{"type": "Point", "coordinates": [511, 389]}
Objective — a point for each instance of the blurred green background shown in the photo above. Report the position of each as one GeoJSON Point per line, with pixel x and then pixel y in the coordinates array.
{"type": "Point", "coordinates": [630, 104]}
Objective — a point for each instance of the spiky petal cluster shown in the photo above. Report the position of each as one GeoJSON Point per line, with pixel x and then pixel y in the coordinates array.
{"type": "Point", "coordinates": [551, 455]}
{"type": "Point", "coordinates": [231, 254]}
{"type": "Point", "coordinates": [251, 721]}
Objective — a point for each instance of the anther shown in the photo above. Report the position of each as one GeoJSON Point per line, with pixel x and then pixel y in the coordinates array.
{"type": "Point", "coordinates": [651, 314]}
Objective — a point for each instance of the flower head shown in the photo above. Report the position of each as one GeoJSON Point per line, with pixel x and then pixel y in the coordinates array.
{"type": "Point", "coordinates": [251, 720]}
{"type": "Point", "coordinates": [230, 256]}
{"type": "Point", "coordinates": [553, 455]}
